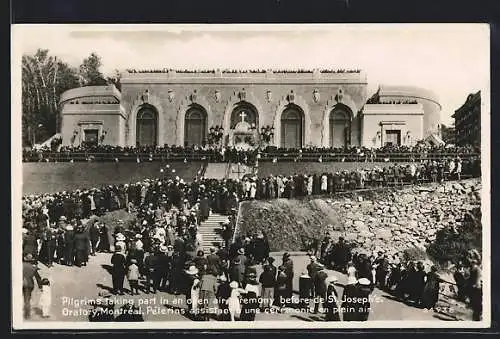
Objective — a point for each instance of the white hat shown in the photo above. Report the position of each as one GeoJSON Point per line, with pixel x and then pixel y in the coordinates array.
{"type": "Point", "coordinates": [69, 228]}
{"type": "Point", "coordinates": [120, 237]}
{"type": "Point", "coordinates": [233, 284]}
{"type": "Point", "coordinates": [364, 281]}
{"type": "Point", "coordinates": [192, 270]}
{"type": "Point", "coordinates": [145, 222]}
{"type": "Point", "coordinates": [138, 236]}
{"type": "Point", "coordinates": [331, 279]}
{"type": "Point", "coordinates": [163, 249]}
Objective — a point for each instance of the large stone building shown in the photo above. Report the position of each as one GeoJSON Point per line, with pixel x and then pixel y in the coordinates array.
{"type": "Point", "coordinates": [304, 108]}
{"type": "Point", "coordinates": [468, 121]}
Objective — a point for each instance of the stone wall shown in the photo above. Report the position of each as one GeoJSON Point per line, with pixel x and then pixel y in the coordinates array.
{"type": "Point", "coordinates": [400, 219]}
{"type": "Point", "coordinates": [390, 218]}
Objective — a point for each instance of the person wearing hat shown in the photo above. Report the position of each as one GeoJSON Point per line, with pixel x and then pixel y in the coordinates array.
{"type": "Point", "coordinates": [49, 242]}
{"type": "Point", "coordinates": [152, 269]}
{"type": "Point", "coordinates": [208, 290]}
{"type": "Point", "coordinates": [319, 283]}
{"type": "Point", "coordinates": [233, 301]}
{"type": "Point", "coordinates": [191, 289]}
{"type": "Point", "coordinates": [237, 271]}
{"type": "Point", "coordinates": [223, 293]}
{"type": "Point", "coordinates": [214, 261]}
{"type": "Point", "coordinates": [268, 281]}
{"type": "Point", "coordinates": [332, 310]}
{"type": "Point", "coordinates": [288, 265]}
{"type": "Point", "coordinates": [241, 256]}
{"type": "Point", "coordinates": [118, 270]}
{"type": "Point", "coordinates": [30, 243]}
{"type": "Point", "coordinates": [94, 237]}
{"type": "Point", "coordinates": [355, 300]}
{"type": "Point", "coordinates": [161, 273]}
{"type": "Point", "coordinates": [250, 298]}
{"type": "Point", "coordinates": [312, 269]}
{"type": "Point", "coordinates": [430, 294]}
{"type": "Point", "coordinates": [382, 269]}
{"type": "Point", "coordinates": [69, 245]}
{"type": "Point", "coordinates": [30, 273]}
{"type": "Point", "coordinates": [133, 276]}
{"type": "Point", "coordinates": [103, 244]}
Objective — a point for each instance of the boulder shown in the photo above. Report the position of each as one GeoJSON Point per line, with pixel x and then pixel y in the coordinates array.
{"type": "Point", "coordinates": [383, 234]}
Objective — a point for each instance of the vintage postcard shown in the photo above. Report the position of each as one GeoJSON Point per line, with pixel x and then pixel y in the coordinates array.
{"type": "Point", "coordinates": [251, 176]}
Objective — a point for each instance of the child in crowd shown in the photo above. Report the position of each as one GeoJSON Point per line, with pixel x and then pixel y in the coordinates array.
{"type": "Point", "coordinates": [45, 298]}
{"type": "Point", "coordinates": [133, 277]}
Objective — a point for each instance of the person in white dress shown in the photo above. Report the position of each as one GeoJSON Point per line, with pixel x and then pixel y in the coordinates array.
{"type": "Point", "coordinates": [233, 302]}
{"type": "Point", "coordinates": [351, 273]}
{"type": "Point", "coordinates": [45, 298]}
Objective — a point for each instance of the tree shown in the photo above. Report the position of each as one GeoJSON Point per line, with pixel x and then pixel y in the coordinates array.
{"type": "Point", "coordinates": [115, 79]}
{"type": "Point", "coordinates": [44, 78]}
{"type": "Point", "coordinates": [90, 75]}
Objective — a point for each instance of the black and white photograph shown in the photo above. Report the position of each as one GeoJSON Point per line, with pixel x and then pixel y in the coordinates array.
{"type": "Point", "coordinates": [232, 176]}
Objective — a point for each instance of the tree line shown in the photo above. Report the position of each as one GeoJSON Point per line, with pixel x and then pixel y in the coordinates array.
{"type": "Point", "coordinates": [44, 78]}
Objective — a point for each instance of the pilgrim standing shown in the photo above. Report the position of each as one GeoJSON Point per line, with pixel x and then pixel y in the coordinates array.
{"type": "Point", "coordinates": [133, 277]}
{"type": "Point", "coordinates": [223, 293]}
{"type": "Point", "coordinates": [30, 272]}
{"type": "Point", "coordinates": [208, 290]}
{"type": "Point", "coordinates": [332, 310]}
{"type": "Point", "coordinates": [251, 303]}
{"type": "Point", "coordinates": [288, 265]}
{"type": "Point", "coordinates": [45, 300]}
{"type": "Point", "coordinates": [233, 302]}
{"type": "Point", "coordinates": [119, 270]}
{"type": "Point", "coordinates": [430, 293]}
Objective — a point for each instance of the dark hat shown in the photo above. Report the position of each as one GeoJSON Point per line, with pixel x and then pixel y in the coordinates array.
{"type": "Point", "coordinates": [286, 255]}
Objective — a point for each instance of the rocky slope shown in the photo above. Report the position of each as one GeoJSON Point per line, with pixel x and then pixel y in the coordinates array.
{"type": "Point", "coordinates": [390, 218]}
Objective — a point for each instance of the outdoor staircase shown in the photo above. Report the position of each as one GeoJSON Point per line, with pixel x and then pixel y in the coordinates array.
{"type": "Point", "coordinates": [210, 231]}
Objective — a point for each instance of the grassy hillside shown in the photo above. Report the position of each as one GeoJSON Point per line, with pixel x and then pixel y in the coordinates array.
{"type": "Point", "coordinates": [289, 224]}
{"type": "Point", "coordinates": [42, 177]}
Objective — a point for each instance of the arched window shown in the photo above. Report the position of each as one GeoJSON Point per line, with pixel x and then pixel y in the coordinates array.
{"type": "Point", "coordinates": [147, 127]}
{"type": "Point", "coordinates": [292, 121]}
{"type": "Point", "coordinates": [195, 126]}
{"type": "Point", "coordinates": [340, 128]}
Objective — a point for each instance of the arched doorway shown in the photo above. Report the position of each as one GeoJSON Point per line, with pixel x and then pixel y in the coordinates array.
{"type": "Point", "coordinates": [195, 126]}
{"type": "Point", "coordinates": [292, 124]}
{"type": "Point", "coordinates": [147, 126]}
{"type": "Point", "coordinates": [340, 128]}
{"type": "Point", "coordinates": [246, 113]}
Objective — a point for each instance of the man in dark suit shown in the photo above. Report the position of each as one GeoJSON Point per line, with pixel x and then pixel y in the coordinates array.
{"type": "Point", "coordinates": [288, 265]}
{"type": "Point", "coordinates": [30, 272]}
{"type": "Point", "coordinates": [94, 237]}
{"type": "Point", "coordinates": [214, 263]}
{"type": "Point", "coordinates": [69, 245]}
{"type": "Point", "coordinates": [81, 246]}
{"type": "Point", "coordinates": [319, 289]}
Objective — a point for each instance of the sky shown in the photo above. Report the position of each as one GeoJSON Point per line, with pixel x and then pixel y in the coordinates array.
{"type": "Point", "coordinates": [451, 60]}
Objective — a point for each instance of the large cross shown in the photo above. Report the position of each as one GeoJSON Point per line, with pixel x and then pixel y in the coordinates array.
{"type": "Point", "coordinates": [243, 115]}
{"type": "Point", "coordinates": [238, 171]}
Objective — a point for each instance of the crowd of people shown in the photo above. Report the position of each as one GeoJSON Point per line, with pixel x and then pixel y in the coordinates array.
{"type": "Point", "coordinates": [166, 70]}
{"type": "Point", "coordinates": [215, 153]}
{"type": "Point", "coordinates": [162, 249]}
{"type": "Point", "coordinates": [414, 282]}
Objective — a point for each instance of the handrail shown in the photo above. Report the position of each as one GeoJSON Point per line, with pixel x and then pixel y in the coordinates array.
{"type": "Point", "coordinates": [214, 157]}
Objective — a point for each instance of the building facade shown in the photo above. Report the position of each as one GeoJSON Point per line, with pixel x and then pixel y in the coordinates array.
{"type": "Point", "coordinates": [302, 109]}
{"type": "Point", "coordinates": [468, 121]}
